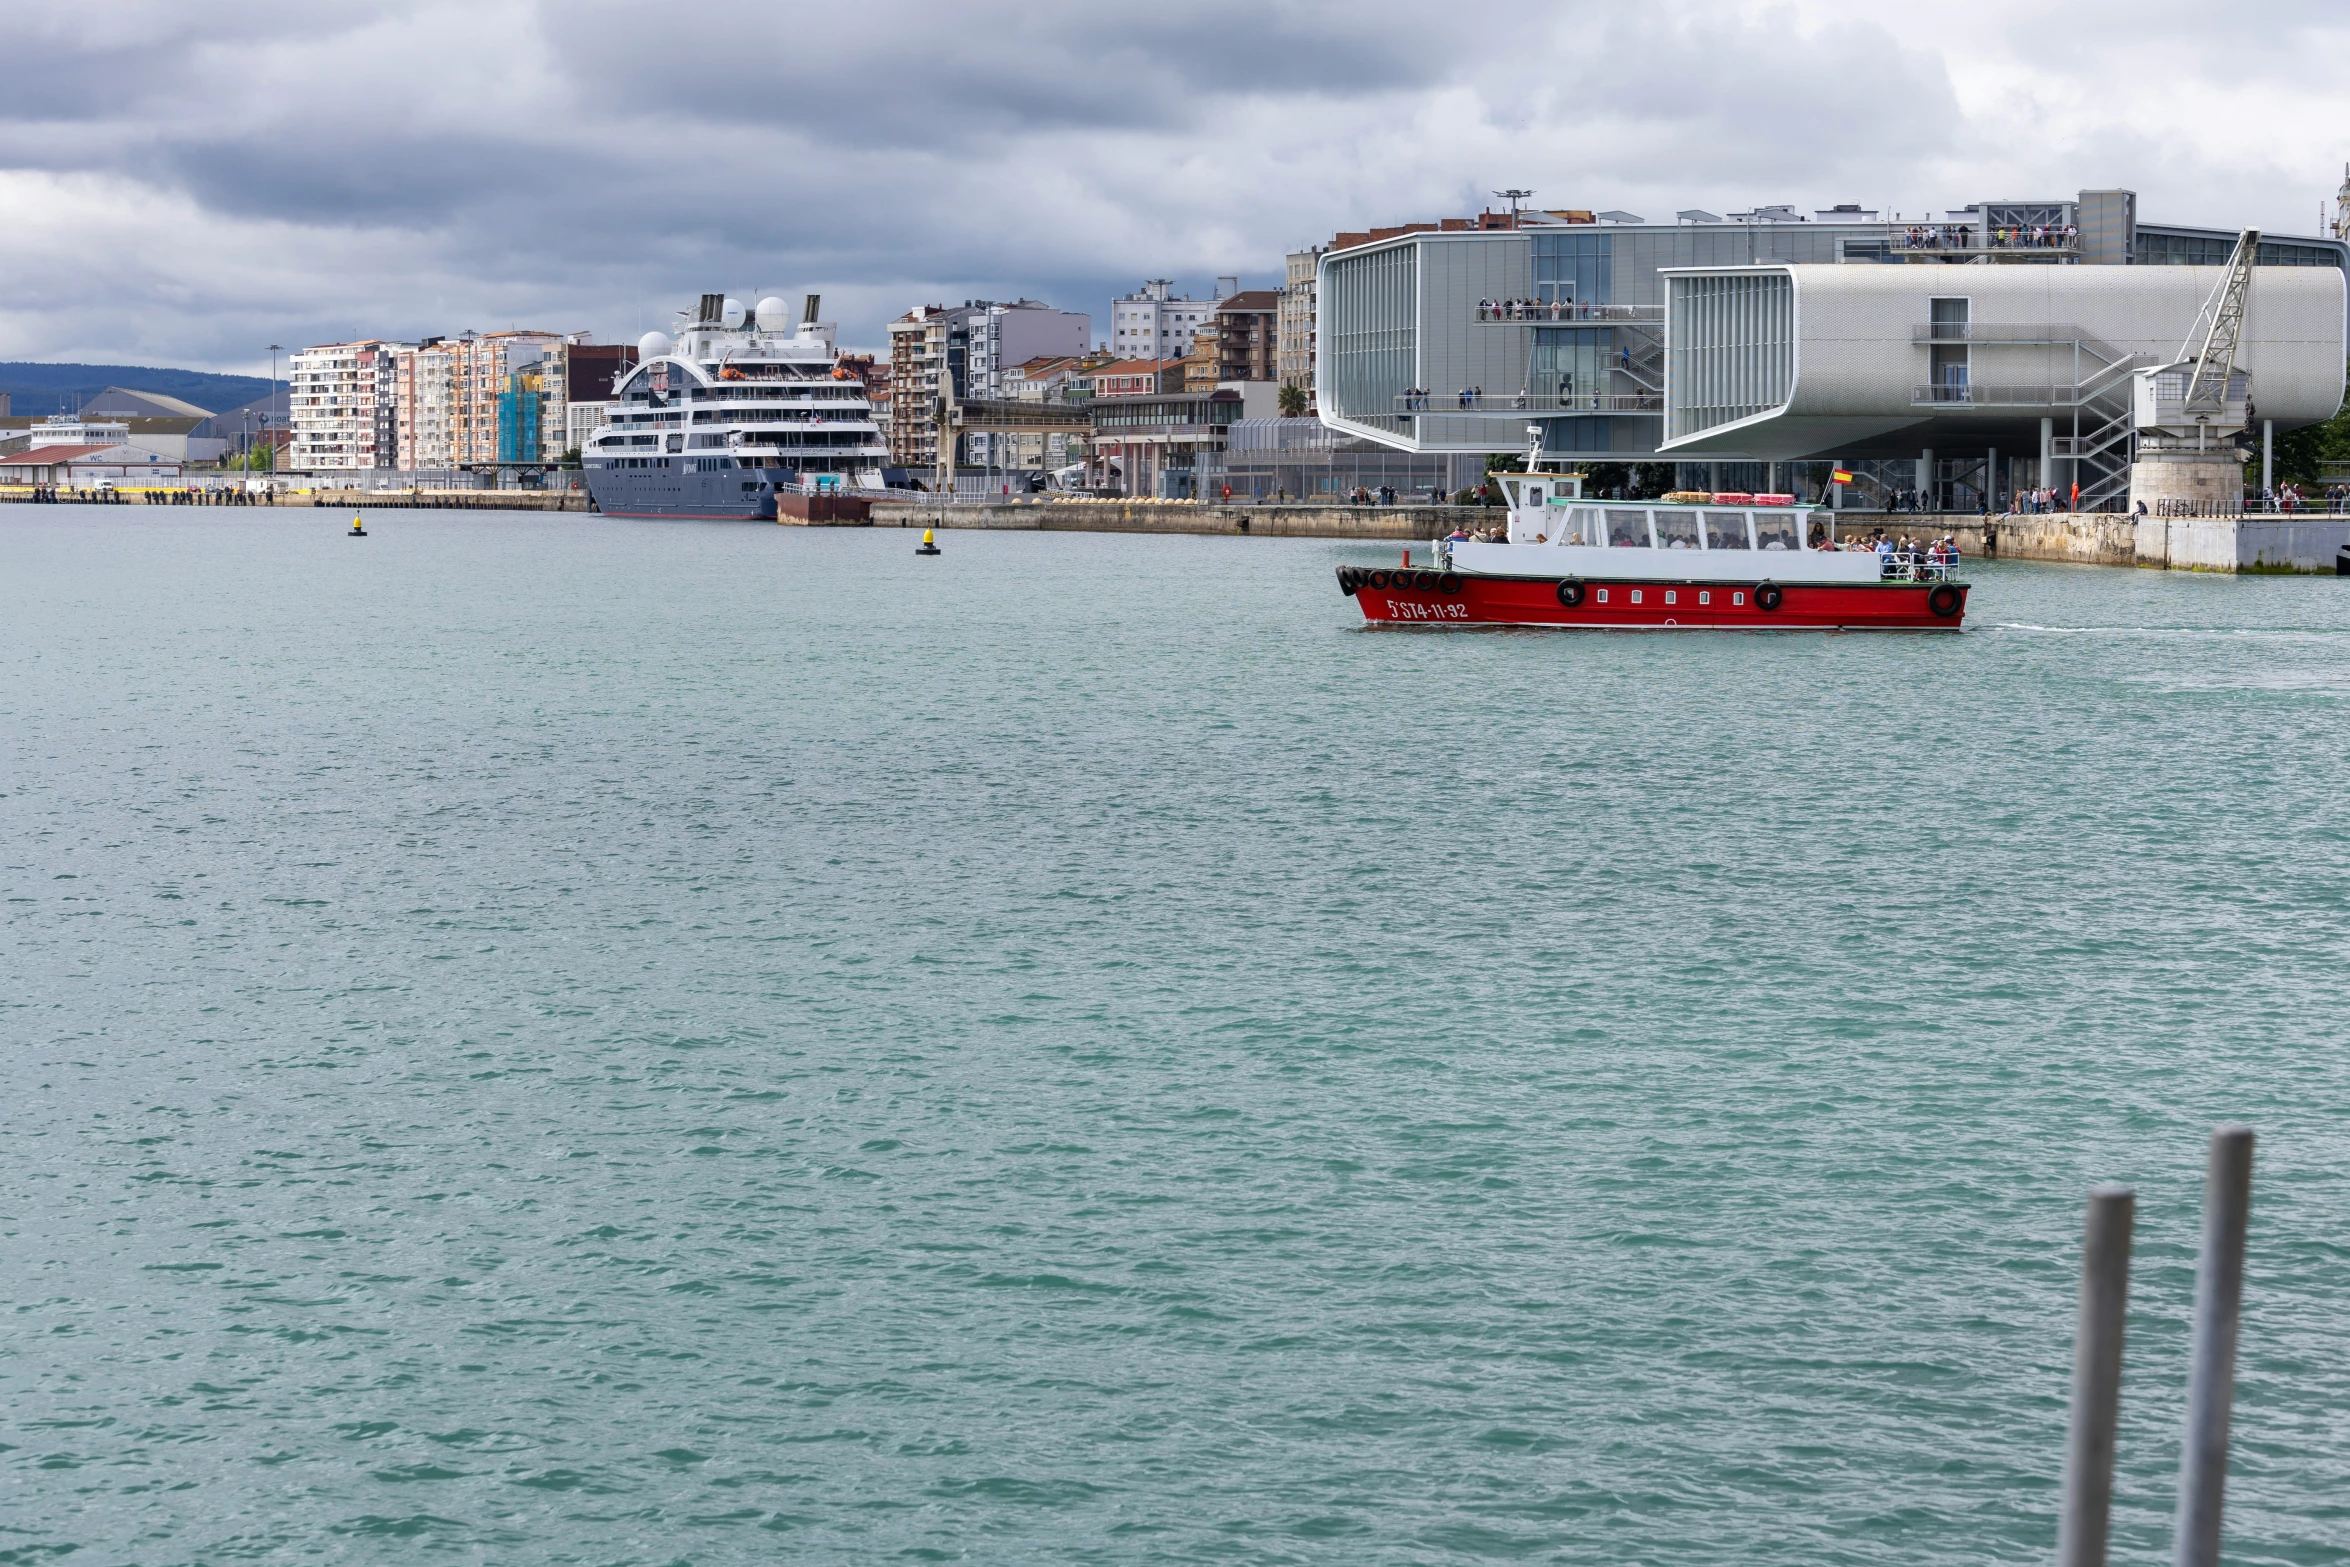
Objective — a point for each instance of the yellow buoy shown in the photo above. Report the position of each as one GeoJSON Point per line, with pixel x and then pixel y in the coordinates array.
{"type": "Point", "coordinates": [928, 546]}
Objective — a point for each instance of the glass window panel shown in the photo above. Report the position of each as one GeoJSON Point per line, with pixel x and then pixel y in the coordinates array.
{"type": "Point", "coordinates": [1585, 526]}
{"type": "Point", "coordinates": [1676, 530]}
{"type": "Point", "coordinates": [1778, 530]}
{"type": "Point", "coordinates": [1627, 529]}
{"type": "Point", "coordinates": [1725, 530]}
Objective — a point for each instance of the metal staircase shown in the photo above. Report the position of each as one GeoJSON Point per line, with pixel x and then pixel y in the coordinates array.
{"type": "Point", "coordinates": [2105, 438]}
{"type": "Point", "coordinates": [1642, 360]}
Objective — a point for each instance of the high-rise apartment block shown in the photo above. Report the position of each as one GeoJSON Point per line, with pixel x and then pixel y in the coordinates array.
{"type": "Point", "coordinates": [1295, 327]}
{"type": "Point", "coordinates": [340, 405]}
{"type": "Point", "coordinates": [480, 399]}
{"type": "Point", "coordinates": [917, 366]}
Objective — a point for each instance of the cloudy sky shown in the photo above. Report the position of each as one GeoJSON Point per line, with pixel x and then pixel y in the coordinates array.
{"type": "Point", "coordinates": [182, 183]}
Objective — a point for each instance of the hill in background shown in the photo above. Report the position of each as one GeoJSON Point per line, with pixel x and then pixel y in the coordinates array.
{"type": "Point", "coordinates": [60, 389]}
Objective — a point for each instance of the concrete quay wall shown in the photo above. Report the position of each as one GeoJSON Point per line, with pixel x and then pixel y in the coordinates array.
{"type": "Point", "coordinates": [2226, 544]}
{"type": "Point", "coordinates": [444, 500]}
{"type": "Point", "coordinates": [2245, 544]}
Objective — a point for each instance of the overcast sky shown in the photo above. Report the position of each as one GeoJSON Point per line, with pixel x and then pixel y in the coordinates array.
{"type": "Point", "coordinates": [185, 182]}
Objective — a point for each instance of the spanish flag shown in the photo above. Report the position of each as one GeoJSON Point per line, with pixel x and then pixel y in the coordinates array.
{"type": "Point", "coordinates": [1840, 477]}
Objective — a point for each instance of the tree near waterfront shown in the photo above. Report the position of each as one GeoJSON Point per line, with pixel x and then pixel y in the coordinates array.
{"type": "Point", "coordinates": [2298, 452]}
{"type": "Point", "coordinates": [1293, 402]}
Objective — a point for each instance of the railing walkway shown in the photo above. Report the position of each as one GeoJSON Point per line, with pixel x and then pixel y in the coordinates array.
{"type": "Point", "coordinates": [1494, 404]}
{"type": "Point", "coordinates": [1539, 312]}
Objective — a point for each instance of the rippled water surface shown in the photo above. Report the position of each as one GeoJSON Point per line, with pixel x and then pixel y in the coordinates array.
{"type": "Point", "coordinates": [561, 1040]}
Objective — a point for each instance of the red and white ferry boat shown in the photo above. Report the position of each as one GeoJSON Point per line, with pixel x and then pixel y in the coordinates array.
{"type": "Point", "coordinates": [1736, 561]}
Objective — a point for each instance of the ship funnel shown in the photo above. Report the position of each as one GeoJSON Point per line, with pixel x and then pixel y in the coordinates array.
{"type": "Point", "coordinates": [713, 310]}
{"type": "Point", "coordinates": [808, 311]}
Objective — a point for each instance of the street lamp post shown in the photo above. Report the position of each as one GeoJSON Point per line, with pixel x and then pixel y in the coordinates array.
{"type": "Point", "coordinates": [274, 351]}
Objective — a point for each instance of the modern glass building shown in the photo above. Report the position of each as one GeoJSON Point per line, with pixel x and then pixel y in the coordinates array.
{"type": "Point", "coordinates": [1467, 341]}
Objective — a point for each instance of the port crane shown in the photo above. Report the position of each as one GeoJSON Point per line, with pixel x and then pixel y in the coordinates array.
{"type": "Point", "coordinates": [2201, 390]}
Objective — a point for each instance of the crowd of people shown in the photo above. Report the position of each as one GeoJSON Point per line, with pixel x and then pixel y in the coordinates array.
{"type": "Point", "coordinates": [1897, 557]}
{"type": "Point", "coordinates": [1538, 310]}
{"type": "Point", "coordinates": [2018, 236]}
{"type": "Point", "coordinates": [2288, 499]}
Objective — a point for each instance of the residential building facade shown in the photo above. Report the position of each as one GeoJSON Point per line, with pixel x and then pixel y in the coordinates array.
{"type": "Point", "coordinates": [341, 401]}
{"type": "Point", "coordinates": [1155, 322]}
{"type": "Point", "coordinates": [963, 352]}
{"type": "Point", "coordinates": [917, 369]}
{"type": "Point", "coordinates": [479, 400]}
{"type": "Point", "coordinates": [1295, 323]}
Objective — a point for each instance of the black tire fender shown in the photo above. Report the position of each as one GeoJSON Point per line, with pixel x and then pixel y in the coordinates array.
{"type": "Point", "coordinates": [1348, 580]}
{"type": "Point", "coordinates": [1768, 596]}
{"type": "Point", "coordinates": [1377, 579]}
{"type": "Point", "coordinates": [1450, 582]}
{"type": "Point", "coordinates": [1945, 600]}
{"type": "Point", "coordinates": [1424, 581]}
{"type": "Point", "coordinates": [1570, 593]}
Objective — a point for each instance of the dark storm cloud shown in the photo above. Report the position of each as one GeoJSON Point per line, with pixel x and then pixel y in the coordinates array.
{"type": "Point", "coordinates": [1051, 65]}
{"type": "Point", "coordinates": [273, 171]}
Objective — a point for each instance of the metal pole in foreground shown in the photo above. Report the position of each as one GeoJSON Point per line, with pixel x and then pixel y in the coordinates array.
{"type": "Point", "coordinates": [2081, 1525]}
{"type": "Point", "coordinates": [2211, 1377]}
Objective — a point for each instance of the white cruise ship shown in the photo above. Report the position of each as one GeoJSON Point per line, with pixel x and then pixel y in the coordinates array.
{"type": "Point", "coordinates": [736, 408]}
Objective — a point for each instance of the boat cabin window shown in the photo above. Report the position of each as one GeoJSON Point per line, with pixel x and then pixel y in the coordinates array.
{"type": "Point", "coordinates": [1725, 530]}
{"type": "Point", "coordinates": [1676, 530]}
{"type": "Point", "coordinates": [1627, 528]}
{"type": "Point", "coordinates": [1778, 530]}
{"type": "Point", "coordinates": [1585, 525]}
{"type": "Point", "coordinates": [1535, 494]}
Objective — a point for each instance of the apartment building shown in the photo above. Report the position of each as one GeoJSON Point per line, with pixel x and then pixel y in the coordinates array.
{"type": "Point", "coordinates": [341, 405]}
{"type": "Point", "coordinates": [917, 363]}
{"type": "Point", "coordinates": [1294, 326]}
{"type": "Point", "coordinates": [965, 351]}
{"type": "Point", "coordinates": [1236, 343]}
{"type": "Point", "coordinates": [1155, 322]}
{"type": "Point", "coordinates": [479, 399]}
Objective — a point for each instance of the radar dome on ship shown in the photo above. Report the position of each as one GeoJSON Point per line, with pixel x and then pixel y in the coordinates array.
{"type": "Point", "coordinates": [653, 345]}
{"type": "Point", "coordinates": [774, 314]}
{"type": "Point", "coordinates": [734, 312]}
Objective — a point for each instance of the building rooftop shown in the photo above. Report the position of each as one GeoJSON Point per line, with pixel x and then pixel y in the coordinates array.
{"type": "Point", "coordinates": [123, 402]}
{"type": "Point", "coordinates": [43, 456]}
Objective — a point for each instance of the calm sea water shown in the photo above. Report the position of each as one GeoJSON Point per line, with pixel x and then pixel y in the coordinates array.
{"type": "Point", "coordinates": [563, 1040]}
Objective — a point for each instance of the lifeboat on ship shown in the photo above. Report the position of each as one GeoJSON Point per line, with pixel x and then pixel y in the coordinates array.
{"type": "Point", "coordinates": [1723, 562]}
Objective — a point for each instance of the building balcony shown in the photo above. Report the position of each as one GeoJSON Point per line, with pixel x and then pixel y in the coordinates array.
{"type": "Point", "coordinates": [1967, 241]}
{"type": "Point", "coordinates": [1991, 394]}
{"type": "Point", "coordinates": [1536, 312]}
{"type": "Point", "coordinates": [2030, 333]}
{"type": "Point", "coordinates": [1519, 404]}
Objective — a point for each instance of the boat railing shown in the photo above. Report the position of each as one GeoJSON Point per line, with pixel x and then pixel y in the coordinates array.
{"type": "Point", "coordinates": [1900, 568]}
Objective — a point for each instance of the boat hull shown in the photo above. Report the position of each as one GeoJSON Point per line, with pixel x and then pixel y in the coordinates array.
{"type": "Point", "coordinates": [685, 492]}
{"type": "Point", "coordinates": [1431, 598]}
